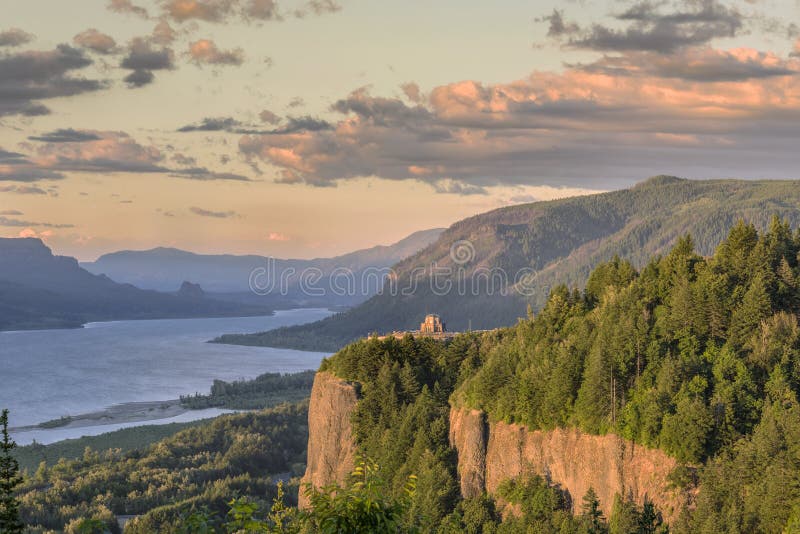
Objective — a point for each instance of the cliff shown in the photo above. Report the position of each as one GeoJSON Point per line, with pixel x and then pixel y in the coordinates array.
{"type": "Point", "coordinates": [489, 453]}
{"type": "Point", "coordinates": [331, 447]}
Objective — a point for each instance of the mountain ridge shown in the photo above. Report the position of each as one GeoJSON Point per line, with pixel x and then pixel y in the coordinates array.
{"type": "Point", "coordinates": [228, 273]}
{"type": "Point", "coordinates": [41, 290]}
{"type": "Point", "coordinates": [559, 241]}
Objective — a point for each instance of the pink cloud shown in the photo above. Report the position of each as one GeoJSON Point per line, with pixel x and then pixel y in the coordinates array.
{"type": "Point", "coordinates": [206, 51]}
{"type": "Point", "coordinates": [276, 236]}
{"type": "Point", "coordinates": [628, 115]}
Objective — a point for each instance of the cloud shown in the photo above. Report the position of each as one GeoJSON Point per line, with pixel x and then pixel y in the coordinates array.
{"type": "Point", "coordinates": [207, 10]}
{"type": "Point", "coordinates": [206, 51]}
{"type": "Point", "coordinates": [96, 41]}
{"type": "Point", "coordinates": [22, 189]}
{"type": "Point", "coordinates": [92, 151]}
{"type": "Point", "coordinates": [16, 167]}
{"type": "Point", "coordinates": [649, 28]}
{"type": "Point", "coordinates": [66, 135]}
{"type": "Point", "coordinates": [11, 212]}
{"type": "Point", "coordinates": [454, 187]}
{"type": "Point", "coordinates": [302, 124]}
{"type": "Point", "coordinates": [5, 221]}
{"type": "Point", "coordinates": [231, 125]}
{"type": "Point", "coordinates": [139, 78]}
{"type": "Point", "coordinates": [796, 50]}
{"type": "Point", "coordinates": [184, 160]}
{"type": "Point", "coordinates": [111, 152]}
{"type": "Point", "coordinates": [163, 33]}
{"type": "Point", "coordinates": [209, 213]}
{"type": "Point", "coordinates": [297, 102]}
{"type": "Point", "coordinates": [697, 64]}
{"type": "Point", "coordinates": [318, 7]}
{"type": "Point", "coordinates": [277, 236]}
{"type": "Point", "coordinates": [30, 232]}
{"type": "Point", "coordinates": [143, 56]}
{"type": "Point", "coordinates": [262, 10]}
{"type": "Point", "coordinates": [253, 11]}
{"type": "Point", "coordinates": [212, 124]}
{"type": "Point", "coordinates": [205, 175]}
{"type": "Point", "coordinates": [126, 6]}
{"type": "Point", "coordinates": [723, 113]}
{"type": "Point", "coordinates": [269, 117]}
{"type": "Point", "coordinates": [557, 25]}
{"type": "Point", "coordinates": [412, 92]}
{"type": "Point", "coordinates": [34, 75]}
{"type": "Point", "coordinates": [15, 37]}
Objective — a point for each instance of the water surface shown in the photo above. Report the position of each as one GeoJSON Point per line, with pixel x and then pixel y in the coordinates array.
{"type": "Point", "coordinates": [46, 374]}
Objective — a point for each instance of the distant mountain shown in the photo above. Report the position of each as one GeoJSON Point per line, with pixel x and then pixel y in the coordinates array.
{"type": "Point", "coordinates": [40, 290]}
{"type": "Point", "coordinates": [540, 245]}
{"type": "Point", "coordinates": [229, 276]}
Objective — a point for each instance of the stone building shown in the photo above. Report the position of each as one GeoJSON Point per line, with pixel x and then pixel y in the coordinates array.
{"type": "Point", "coordinates": [432, 325]}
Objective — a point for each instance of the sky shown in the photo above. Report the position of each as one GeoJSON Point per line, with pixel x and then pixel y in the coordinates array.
{"type": "Point", "coordinates": [308, 128]}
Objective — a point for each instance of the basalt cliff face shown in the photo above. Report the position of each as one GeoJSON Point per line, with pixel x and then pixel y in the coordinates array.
{"type": "Point", "coordinates": [491, 452]}
{"type": "Point", "coordinates": [331, 446]}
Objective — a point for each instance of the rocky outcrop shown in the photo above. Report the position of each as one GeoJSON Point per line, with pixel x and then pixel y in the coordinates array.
{"type": "Point", "coordinates": [331, 447]}
{"type": "Point", "coordinates": [489, 453]}
{"type": "Point", "coordinates": [468, 435]}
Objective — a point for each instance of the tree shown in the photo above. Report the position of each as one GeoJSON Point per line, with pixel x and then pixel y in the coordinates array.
{"type": "Point", "coordinates": [591, 513]}
{"type": "Point", "coordinates": [9, 479]}
{"type": "Point", "coordinates": [624, 517]}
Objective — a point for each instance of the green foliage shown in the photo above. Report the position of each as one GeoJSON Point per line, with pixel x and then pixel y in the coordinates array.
{"type": "Point", "coordinates": [10, 522]}
{"type": "Point", "coordinates": [199, 468]}
{"type": "Point", "coordinates": [264, 391]}
{"type": "Point", "coordinates": [32, 456]}
{"type": "Point", "coordinates": [691, 355]}
{"type": "Point", "coordinates": [362, 506]}
{"type": "Point", "coordinates": [538, 507]}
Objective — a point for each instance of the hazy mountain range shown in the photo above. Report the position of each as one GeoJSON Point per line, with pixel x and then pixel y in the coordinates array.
{"type": "Point", "coordinates": [550, 243]}
{"type": "Point", "coordinates": [40, 290]}
{"type": "Point", "coordinates": [229, 276]}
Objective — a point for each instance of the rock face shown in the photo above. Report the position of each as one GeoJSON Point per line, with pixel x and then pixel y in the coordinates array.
{"type": "Point", "coordinates": [468, 435]}
{"type": "Point", "coordinates": [489, 453]}
{"type": "Point", "coordinates": [331, 447]}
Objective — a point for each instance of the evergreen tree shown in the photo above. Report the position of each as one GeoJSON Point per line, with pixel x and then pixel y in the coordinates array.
{"type": "Point", "coordinates": [592, 514]}
{"type": "Point", "coordinates": [9, 479]}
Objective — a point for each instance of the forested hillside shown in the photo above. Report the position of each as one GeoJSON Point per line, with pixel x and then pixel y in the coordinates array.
{"type": "Point", "coordinates": [200, 468]}
{"type": "Point", "coordinates": [541, 245]}
{"type": "Point", "coordinates": [698, 357]}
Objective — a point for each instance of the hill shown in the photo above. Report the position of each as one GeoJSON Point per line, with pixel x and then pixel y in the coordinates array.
{"type": "Point", "coordinates": [40, 290]}
{"type": "Point", "coordinates": [528, 249]}
{"type": "Point", "coordinates": [228, 276]}
{"type": "Point", "coordinates": [667, 393]}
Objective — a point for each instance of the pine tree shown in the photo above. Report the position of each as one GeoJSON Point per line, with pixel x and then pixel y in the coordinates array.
{"type": "Point", "coordinates": [592, 514]}
{"type": "Point", "coordinates": [755, 307]}
{"type": "Point", "coordinates": [9, 479]}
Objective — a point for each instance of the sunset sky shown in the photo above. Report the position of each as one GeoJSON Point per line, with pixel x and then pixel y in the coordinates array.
{"type": "Point", "coordinates": [311, 128]}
